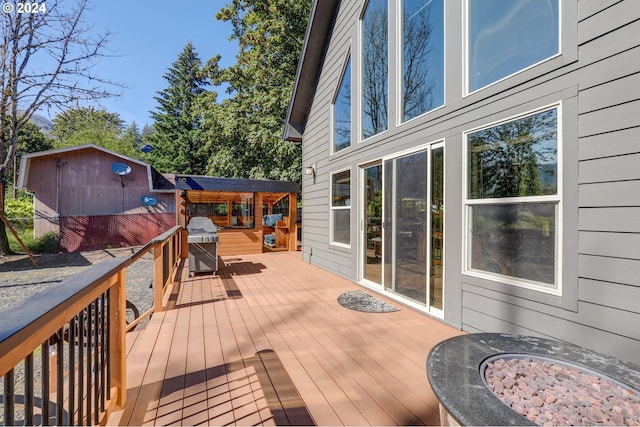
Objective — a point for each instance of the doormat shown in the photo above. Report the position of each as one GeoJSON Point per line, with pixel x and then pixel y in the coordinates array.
{"type": "Point", "coordinates": [361, 301]}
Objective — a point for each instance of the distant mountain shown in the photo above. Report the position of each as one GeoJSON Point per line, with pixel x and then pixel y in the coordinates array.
{"type": "Point", "coordinates": [43, 123]}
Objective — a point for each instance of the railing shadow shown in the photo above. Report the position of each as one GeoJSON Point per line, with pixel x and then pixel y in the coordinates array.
{"type": "Point", "coordinates": [222, 394]}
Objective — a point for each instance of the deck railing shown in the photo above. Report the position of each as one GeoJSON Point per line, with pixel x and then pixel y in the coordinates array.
{"type": "Point", "coordinates": [62, 352]}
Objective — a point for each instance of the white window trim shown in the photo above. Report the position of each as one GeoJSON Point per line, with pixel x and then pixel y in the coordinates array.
{"type": "Point", "coordinates": [333, 107]}
{"type": "Point", "coordinates": [465, 51]}
{"type": "Point", "coordinates": [332, 242]}
{"type": "Point", "coordinates": [360, 80]}
{"type": "Point", "coordinates": [556, 199]}
{"type": "Point", "coordinates": [398, 63]}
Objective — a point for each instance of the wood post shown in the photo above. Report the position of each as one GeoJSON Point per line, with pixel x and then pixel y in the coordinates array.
{"type": "Point", "coordinates": [158, 278]}
{"type": "Point", "coordinates": [118, 339]}
{"type": "Point", "coordinates": [293, 235]}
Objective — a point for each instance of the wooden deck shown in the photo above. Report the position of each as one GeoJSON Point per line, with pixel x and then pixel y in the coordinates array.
{"type": "Point", "coordinates": [266, 343]}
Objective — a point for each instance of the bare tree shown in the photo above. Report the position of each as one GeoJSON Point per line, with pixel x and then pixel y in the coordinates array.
{"type": "Point", "coordinates": [47, 55]}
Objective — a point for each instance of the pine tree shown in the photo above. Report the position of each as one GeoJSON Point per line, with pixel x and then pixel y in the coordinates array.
{"type": "Point", "coordinates": [245, 130]}
{"type": "Point", "coordinates": [177, 139]}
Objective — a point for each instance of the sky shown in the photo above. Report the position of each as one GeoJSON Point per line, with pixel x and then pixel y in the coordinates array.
{"type": "Point", "coordinates": [148, 37]}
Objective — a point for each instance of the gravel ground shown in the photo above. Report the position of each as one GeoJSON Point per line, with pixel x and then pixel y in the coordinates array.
{"type": "Point", "coordinates": [20, 279]}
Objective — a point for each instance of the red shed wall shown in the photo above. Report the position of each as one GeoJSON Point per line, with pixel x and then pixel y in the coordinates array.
{"type": "Point", "coordinates": [81, 183]}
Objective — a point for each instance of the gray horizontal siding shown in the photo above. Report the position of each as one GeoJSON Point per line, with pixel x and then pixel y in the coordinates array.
{"type": "Point", "coordinates": [607, 20]}
{"type": "Point", "coordinates": [598, 80]}
{"type": "Point", "coordinates": [609, 194]}
{"type": "Point", "coordinates": [587, 8]}
{"type": "Point", "coordinates": [621, 220]}
{"type": "Point", "coordinates": [609, 269]}
{"type": "Point", "coordinates": [317, 151]}
{"type": "Point", "coordinates": [607, 314]}
{"type": "Point", "coordinates": [609, 294]}
{"type": "Point", "coordinates": [599, 327]}
{"type": "Point", "coordinates": [610, 93]}
{"type": "Point", "coordinates": [610, 119]}
{"type": "Point", "coordinates": [617, 143]}
{"type": "Point", "coordinates": [619, 168]}
{"type": "Point", "coordinates": [619, 245]}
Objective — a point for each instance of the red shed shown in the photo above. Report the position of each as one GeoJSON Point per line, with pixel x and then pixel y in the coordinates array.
{"type": "Point", "coordinates": [96, 198]}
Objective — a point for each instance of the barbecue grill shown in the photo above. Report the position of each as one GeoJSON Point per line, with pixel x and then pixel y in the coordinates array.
{"type": "Point", "coordinates": [203, 245]}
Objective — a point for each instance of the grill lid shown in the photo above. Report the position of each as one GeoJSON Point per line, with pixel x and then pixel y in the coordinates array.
{"type": "Point", "coordinates": [202, 230]}
{"type": "Point", "coordinates": [201, 225]}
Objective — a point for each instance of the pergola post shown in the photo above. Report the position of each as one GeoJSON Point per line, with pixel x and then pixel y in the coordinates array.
{"type": "Point", "coordinates": [293, 208]}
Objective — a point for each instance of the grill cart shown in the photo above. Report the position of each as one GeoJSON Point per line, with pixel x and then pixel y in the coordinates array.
{"type": "Point", "coordinates": [203, 245]}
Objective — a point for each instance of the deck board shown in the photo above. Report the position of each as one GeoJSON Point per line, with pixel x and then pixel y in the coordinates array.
{"type": "Point", "coordinates": [266, 343]}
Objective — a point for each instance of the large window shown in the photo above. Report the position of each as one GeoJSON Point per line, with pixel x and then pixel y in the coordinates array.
{"type": "Point", "coordinates": [341, 208]}
{"type": "Point", "coordinates": [505, 37]}
{"type": "Point", "coordinates": [375, 68]}
{"type": "Point", "coordinates": [341, 112]}
{"type": "Point", "coordinates": [513, 200]}
{"type": "Point", "coordinates": [422, 56]}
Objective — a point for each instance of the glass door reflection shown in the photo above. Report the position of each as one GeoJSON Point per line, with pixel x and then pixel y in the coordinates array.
{"type": "Point", "coordinates": [372, 265]}
{"type": "Point", "coordinates": [437, 228]}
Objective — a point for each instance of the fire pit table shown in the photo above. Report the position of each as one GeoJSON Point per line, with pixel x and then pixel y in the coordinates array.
{"type": "Point", "coordinates": [456, 370]}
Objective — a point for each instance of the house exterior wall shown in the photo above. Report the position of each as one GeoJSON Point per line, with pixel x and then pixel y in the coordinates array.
{"type": "Point", "coordinates": [596, 83]}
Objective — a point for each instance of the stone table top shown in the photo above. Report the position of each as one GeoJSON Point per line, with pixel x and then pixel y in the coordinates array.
{"type": "Point", "coordinates": [453, 369]}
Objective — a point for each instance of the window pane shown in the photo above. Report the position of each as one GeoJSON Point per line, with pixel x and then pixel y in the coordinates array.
{"type": "Point", "coordinates": [517, 240]}
{"type": "Point", "coordinates": [422, 56]}
{"type": "Point", "coordinates": [342, 226]}
{"type": "Point", "coordinates": [411, 202]}
{"type": "Point", "coordinates": [341, 189]}
{"type": "Point", "coordinates": [514, 159]}
{"type": "Point", "coordinates": [508, 36]}
{"type": "Point", "coordinates": [243, 211]}
{"type": "Point", "coordinates": [342, 112]}
{"type": "Point", "coordinates": [375, 69]}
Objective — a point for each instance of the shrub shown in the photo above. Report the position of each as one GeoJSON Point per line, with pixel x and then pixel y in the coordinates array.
{"type": "Point", "coordinates": [48, 242]}
{"type": "Point", "coordinates": [18, 208]}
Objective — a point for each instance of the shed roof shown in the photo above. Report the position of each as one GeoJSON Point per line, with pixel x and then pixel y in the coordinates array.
{"type": "Point", "coordinates": [158, 182]}
{"type": "Point", "coordinates": [194, 182]}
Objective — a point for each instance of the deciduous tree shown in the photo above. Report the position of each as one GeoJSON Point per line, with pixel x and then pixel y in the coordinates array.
{"type": "Point", "coordinates": [46, 61]}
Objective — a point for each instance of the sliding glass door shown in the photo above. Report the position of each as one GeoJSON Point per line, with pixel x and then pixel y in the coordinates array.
{"type": "Point", "coordinates": [403, 229]}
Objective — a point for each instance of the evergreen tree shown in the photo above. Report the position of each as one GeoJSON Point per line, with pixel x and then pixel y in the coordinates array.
{"type": "Point", "coordinates": [244, 132]}
{"type": "Point", "coordinates": [132, 138]}
{"type": "Point", "coordinates": [177, 139]}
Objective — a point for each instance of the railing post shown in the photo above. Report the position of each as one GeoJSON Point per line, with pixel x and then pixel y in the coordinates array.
{"type": "Point", "coordinates": [158, 281]}
{"type": "Point", "coordinates": [118, 340]}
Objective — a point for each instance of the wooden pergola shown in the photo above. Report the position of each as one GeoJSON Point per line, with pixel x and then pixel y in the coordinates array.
{"type": "Point", "coordinates": [237, 207]}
